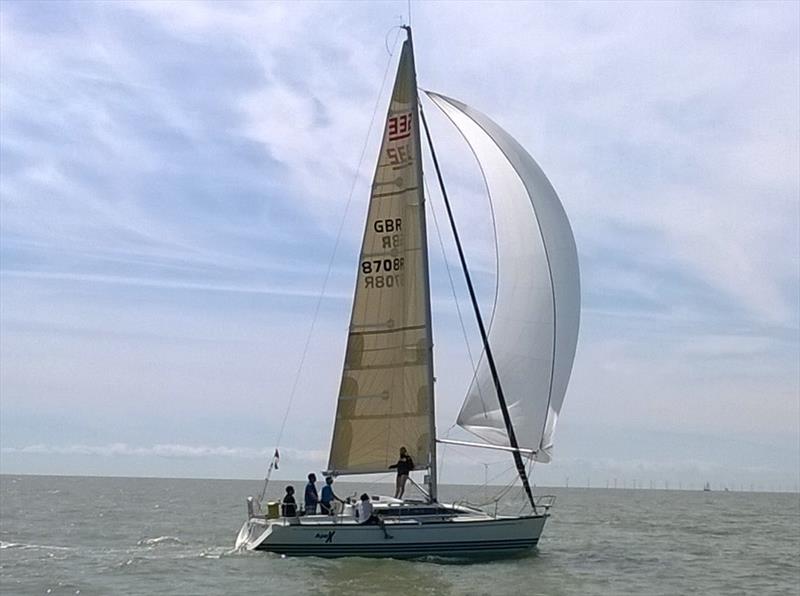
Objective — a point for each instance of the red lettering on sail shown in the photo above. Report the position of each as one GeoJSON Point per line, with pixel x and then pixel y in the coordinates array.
{"type": "Point", "coordinates": [399, 127]}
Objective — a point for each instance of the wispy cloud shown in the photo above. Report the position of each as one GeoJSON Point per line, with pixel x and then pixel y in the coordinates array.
{"type": "Point", "coordinates": [168, 167]}
{"type": "Point", "coordinates": [167, 284]}
{"type": "Point", "coordinates": [165, 450]}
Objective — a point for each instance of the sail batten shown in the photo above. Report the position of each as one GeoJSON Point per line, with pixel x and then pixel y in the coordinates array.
{"type": "Point", "coordinates": [386, 393]}
{"type": "Point", "coordinates": [534, 325]}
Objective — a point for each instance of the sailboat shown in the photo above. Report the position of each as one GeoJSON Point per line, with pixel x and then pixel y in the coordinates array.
{"type": "Point", "coordinates": [386, 396]}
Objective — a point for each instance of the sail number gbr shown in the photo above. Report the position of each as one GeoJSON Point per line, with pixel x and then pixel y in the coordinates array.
{"type": "Point", "coordinates": [385, 272]}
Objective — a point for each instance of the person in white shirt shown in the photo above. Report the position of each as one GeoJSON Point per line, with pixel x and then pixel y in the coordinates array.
{"type": "Point", "coordinates": [365, 515]}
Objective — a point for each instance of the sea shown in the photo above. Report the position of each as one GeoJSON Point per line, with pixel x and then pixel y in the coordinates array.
{"type": "Point", "coordinates": [91, 535]}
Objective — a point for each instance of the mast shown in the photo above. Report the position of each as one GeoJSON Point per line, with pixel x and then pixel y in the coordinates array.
{"type": "Point", "coordinates": [432, 479]}
{"type": "Point", "coordinates": [385, 398]}
{"type": "Point", "coordinates": [512, 437]}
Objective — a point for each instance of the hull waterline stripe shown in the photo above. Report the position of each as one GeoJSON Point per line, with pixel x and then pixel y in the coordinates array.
{"type": "Point", "coordinates": [441, 548]}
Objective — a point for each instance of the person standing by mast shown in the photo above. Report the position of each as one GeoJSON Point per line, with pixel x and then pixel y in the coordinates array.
{"type": "Point", "coordinates": [404, 465]}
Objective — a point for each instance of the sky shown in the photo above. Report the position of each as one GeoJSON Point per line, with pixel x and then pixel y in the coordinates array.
{"type": "Point", "coordinates": [174, 176]}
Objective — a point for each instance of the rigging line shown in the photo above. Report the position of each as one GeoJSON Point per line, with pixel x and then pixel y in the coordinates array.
{"type": "Point", "coordinates": [379, 480]}
{"type": "Point", "coordinates": [335, 248]}
{"type": "Point", "coordinates": [503, 491]}
{"type": "Point", "coordinates": [512, 437]}
{"type": "Point", "coordinates": [443, 452]}
{"type": "Point", "coordinates": [531, 462]}
{"type": "Point", "coordinates": [394, 43]}
{"type": "Point", "coordinates": [507, 488]}
{"type": "Point", "coordinates": [455, 296]}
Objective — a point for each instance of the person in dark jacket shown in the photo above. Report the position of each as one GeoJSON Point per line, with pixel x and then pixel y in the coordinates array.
{"type": "Point", "coordinates": [289, 505]}
{"type": "Point", "coordinates": [311, 498]}
{"type": "Point", "coordinates": [404, 465]}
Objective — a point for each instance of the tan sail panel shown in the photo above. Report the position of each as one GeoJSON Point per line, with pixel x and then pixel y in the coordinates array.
{"type": "Point", "coordinates": [385, 399]}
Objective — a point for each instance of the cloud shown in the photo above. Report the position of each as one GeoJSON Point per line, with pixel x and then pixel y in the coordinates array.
{"type": "Point", "coordinates": [166, 166]}
{"type": "Point", "coordinates": [699, 139]}
{"type": "Point", "coordinates": [666, 139]}
{"type": "Point", "coordinates": [167, 284]}
{"type": "Point", "coordinates": [163, 451]}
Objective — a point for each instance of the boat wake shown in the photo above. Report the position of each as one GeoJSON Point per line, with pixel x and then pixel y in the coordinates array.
{"type": "Point", "coordinates": [219, 552]}
{"type": "Point", "coordinates": [4, 545]}
{"type": "Point", "coordinates": [159, 540]}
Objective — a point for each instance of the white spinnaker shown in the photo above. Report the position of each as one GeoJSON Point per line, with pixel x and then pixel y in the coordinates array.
{"type": "Point", "coordinates": [534, 330]}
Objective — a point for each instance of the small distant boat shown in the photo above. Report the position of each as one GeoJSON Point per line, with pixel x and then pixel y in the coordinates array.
{"type": "Point", "coordinates": [707, 488]}
{"type": "Point", "coordinates": [386, 396]}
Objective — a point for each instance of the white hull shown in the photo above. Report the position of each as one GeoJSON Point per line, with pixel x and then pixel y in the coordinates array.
{"type": "Point", "coordinates": [466, 534]}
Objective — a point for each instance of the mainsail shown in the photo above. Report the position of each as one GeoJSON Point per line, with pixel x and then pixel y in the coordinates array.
{"type": "Point", "coordinates": [534, 328]}
{"type": "Point", "coordinates": [386, 394]}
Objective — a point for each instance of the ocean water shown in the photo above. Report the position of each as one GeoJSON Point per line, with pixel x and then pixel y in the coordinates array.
{"type": "Point", "coordinates": [68, 535]}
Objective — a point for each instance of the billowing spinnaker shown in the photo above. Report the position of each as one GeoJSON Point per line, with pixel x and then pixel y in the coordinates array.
{"type": "Point", "coordinates": [385, 399]}
{"type": "Point", "coordinates": [534, 328]}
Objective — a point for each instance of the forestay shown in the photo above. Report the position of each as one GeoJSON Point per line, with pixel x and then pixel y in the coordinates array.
{"type": "Point", "coordinates": [534, 327]}
{"type": "Point", "coordinates": [386, 399]}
